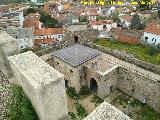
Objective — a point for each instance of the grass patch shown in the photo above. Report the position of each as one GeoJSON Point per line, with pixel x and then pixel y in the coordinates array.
{"type": "Point", "coordinates": [140, 51]}
{"type": "Point", "coordinates": [97, 100]}
{"type": "Point", "coordinates": [139, 111]}
{"type": "Point", "coordinates": [71, 92]}
{"type": "Point", "coordinates": [81, 112]}
{"type": "Point", "coordinates": [72, 116]}
{"type": "Point", "coordinates": [20, 107]}
{"type": "Point", "coordinates": [34, 50]}
{"type": "Point", "coordinates": [84, 91]}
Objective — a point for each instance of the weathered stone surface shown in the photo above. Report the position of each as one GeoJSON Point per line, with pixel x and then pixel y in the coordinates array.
{"type": "Point", "coordinates": [5, 96]}
{"type": "Point", "coordinates": [107, 111]}
{"type": "Point", "coordinates": [8, 47]}
{"type": "Point", "coordinates": [43, 85]}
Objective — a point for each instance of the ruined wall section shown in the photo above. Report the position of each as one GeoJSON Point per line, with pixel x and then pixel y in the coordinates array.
{"type": "Point", "coordinates": [104, 82]}
{"type": "Point", "coordinates": [139, 87]}
{"type": "Point", "coordinates": [43, 85]}
{"type": "Point", "coordinates": [72, 74]}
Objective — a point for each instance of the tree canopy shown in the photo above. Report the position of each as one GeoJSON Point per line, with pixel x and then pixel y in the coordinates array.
{"type": "Point", "coordinates": [31, 10]}
{"type": "Point", "coordinates": [136, 23]}
{"type": "Point", "coordinates": [48, 21]}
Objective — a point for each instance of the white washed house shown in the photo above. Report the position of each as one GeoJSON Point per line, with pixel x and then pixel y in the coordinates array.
{"type": "Point", "coordinates": [152, 33]}
{"type": "Point", "coordinates": [56, 33]}
{"type": "Point", "coordinates": [103, 24]}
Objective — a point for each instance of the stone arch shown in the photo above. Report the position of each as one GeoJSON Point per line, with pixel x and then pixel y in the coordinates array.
{"type": "Point", "coordinates": [93, 85]}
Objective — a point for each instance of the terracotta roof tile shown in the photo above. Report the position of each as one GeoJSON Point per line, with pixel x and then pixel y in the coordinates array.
{"type": "Point", "coordinates": [101, 22]}
{"type": "Point", "coordinates": [128, 18]}
{"type": "Point", "coordinates": [153, 27]}
{"type": "Point", "coordinates": [49, 31]}
{"type": "Point", "coordinates": [44, 41]}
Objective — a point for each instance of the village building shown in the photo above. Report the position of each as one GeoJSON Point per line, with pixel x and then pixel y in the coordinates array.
{"type": "Point", "coordinates": [152, 33]}
{"type": "Point", "coordinates": [11, 19]}
{"type": "Point", "coordinates": [24, 36]}
{"type": "Point", "coordinates": [32, 20]}
{"type": "Point", "coordinates": [126, 20]}
{"type": "Point", "coordinates": [47, 36]}
{"type": "Point", "coordinates": [71, 18]}
{"type": "Point", "coordinates": [144, 14]}
{"type": "Point", "coordinates": [103, 24]}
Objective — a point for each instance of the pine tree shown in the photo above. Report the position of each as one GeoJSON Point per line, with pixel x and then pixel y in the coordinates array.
{"type": "Point", "coordinates": [136, 23]}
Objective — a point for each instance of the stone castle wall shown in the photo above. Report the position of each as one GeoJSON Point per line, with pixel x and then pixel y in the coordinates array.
{"type": "Point", "coordinates": [43, 85]}
{"type": "Point", "coordinates": [72, 74]}
{"type": "Point", "coordinates": [104, 82]}
{"type": "Point", "coordinates": [139, 87]}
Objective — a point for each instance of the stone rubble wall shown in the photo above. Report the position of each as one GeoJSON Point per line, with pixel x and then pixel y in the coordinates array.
{"type": "Point", "coordinates": [139, 87]}
{"type": "Point", "coordinates": [104, 82]}
{"type": "Point", "coordinates": [70, 73]}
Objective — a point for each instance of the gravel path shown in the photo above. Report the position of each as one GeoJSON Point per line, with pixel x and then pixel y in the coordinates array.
{"type": "Point", "coordinates": [4, 95]}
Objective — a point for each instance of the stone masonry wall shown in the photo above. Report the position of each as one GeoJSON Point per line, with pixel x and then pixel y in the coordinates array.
{"type": "Point", "coordinates": [139, 87]}
{"type": "Point", "coordinates": [42, 84]}
{"type": "Point", "coordinates": [72, 74]}
{"type": "Point", "coordinates": [104, 82]}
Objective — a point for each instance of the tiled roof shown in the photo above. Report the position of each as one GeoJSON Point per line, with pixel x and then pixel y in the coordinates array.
{"type": "Point", "coordinates": [76, 54]}
{"type": "Point", "coordinates": [49, 31]}
{"type": "Point", "coordinates": [101, 22]}
{"type": "Point", "coordinates": [33, 16]}
{"type": "Point", "coordinates": [127, 18]}
{"type": "Point", "coordinates": [44, 41]}
{"type": "Point", "coordinates": [131, 33]}
{"type": "Point", "coordinates": [153, 27]}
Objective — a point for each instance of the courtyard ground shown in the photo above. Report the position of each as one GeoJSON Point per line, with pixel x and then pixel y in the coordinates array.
{"type": "Point", "coordinates": [127, 104]}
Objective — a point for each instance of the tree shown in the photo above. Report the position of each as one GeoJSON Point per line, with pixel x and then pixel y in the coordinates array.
{"type": "Point", "coordinates": [48, 21]}
{"type": "Point", "coordinates": [115, 17]}
{"type": "Point", "coordinates": [31, 10]}
{"type": "Point", "coordinates": [136, 23]}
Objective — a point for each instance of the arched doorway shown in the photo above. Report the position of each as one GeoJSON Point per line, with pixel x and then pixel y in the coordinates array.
{"type": "Point", "coordinates": [76, 39]}
{"type": "Point", "coordinates": [66, 83]}
{"type": "Point", "coordinates": [93, 85]}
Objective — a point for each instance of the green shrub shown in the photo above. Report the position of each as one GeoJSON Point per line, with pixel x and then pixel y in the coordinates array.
{"type": "Point", "coordinates": [81, 112]}
{"type": "Point", "coordinates": [84, 91]}
{"type": "Point", "coordinates": [153, 51]}
{"type": "Point", "coordinates": [72, 116]}
{"type": "Point", "coordinates": [71, 92]}
{"type": "Point", "coordinates": [97, 100]}
{"type": "Point", "coordinates": [20, 107]}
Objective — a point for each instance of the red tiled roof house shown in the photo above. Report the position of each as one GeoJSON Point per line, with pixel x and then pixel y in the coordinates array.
{"type": "Point", "coordinates": [48, 36]}
{"type": "Point", "coordinates": [152, 33]}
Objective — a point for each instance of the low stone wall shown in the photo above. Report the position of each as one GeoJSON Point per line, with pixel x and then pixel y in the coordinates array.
{"type": "Point", "coordinates": [126, 57]}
